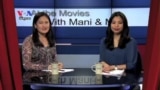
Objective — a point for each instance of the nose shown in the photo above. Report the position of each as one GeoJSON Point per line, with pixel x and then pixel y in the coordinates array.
{"type": "Point", "coordinates": [44, 25]}
{"type": "Point", "coordinates": [116, 24]}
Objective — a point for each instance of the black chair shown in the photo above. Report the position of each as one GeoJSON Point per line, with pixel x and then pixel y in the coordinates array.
{"type": "Point", "coordinates": [139, 66]}
{"type": "Point", "coordinates": [138, 70]}
{"type": "Point", "coordinates": [137, 87]}
{"type": "Point", "coordinates": [20, 50]}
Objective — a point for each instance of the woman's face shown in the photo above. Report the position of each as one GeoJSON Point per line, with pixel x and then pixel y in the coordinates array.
{"type": "Point", "coordinates": [42, 25]}
{"type": "Point", "coordinates": [117, 25]}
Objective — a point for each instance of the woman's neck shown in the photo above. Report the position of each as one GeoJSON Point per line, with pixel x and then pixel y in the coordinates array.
{"type": "Point", "coordinates": [43, 40]}
{"type": "Point", "coordinates": [116, 39]}
{"type": "Point", "coordinates": [41, 35]}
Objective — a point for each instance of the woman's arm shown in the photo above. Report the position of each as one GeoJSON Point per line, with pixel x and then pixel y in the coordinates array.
{"type": "Point", "coordinates": [131, 54]}
{"type": "Point", "coordinates": [120, 67]}
{"type": "Point", "coordinates": [102, 50]}
{"type": "Point", "coordinates": [106, 66]}
{"type": "Point", "coordinates": [26, 56]}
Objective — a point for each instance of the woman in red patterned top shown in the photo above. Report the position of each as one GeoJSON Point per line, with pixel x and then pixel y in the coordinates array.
{"type": "Point", "coordinates": [38, 49]}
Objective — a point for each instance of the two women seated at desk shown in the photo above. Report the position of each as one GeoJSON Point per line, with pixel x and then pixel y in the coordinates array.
{"type": "Point", "coordinates": [117, 50]}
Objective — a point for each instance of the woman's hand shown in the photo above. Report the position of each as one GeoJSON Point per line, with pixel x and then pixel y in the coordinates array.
{"type": "Point", "coordinates": [49, 67]}
{"type": "Point", "coordinates": [107, 67]}
{"type": "Point", "coordinates": [60, 65]}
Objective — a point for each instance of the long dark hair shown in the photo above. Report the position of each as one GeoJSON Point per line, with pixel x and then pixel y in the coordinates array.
{"type": "Point", "coordinates": [124, 39]}
{"type": "Point", "coordinates": [35, 37]}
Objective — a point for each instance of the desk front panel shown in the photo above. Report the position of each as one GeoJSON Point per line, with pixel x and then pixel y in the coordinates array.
{"type": "Point", "coordinates": [80, 77]}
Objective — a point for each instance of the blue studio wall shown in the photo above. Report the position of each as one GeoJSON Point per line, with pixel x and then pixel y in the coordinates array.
{"type": "Point", "coordinates": [80, 24]}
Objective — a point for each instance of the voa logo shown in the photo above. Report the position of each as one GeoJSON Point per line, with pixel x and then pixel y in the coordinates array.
{"type": "Point", "coordinates": [25, 14]}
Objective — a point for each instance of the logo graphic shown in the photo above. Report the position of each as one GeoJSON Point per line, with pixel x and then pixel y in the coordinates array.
{"type": "Point", "coordinates": [25, 14]}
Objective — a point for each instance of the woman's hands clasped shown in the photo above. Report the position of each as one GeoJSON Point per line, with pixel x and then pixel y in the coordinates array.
{"type": "Point", "coordinates": [60, 66]}
{"type": "Point", "coordinates": [106, 67]}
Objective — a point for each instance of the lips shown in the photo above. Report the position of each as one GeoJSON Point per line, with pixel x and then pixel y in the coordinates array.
{"type": "Point", "coordinates": [44, 29]}
{"type": "Point", "coordinates": [116, 29]}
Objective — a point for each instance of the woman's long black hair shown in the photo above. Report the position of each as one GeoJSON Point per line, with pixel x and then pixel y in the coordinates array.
{"type": "Point", "coordinates": [124, 39]}
{"type": "Point", "coordinates": [50, 35]}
